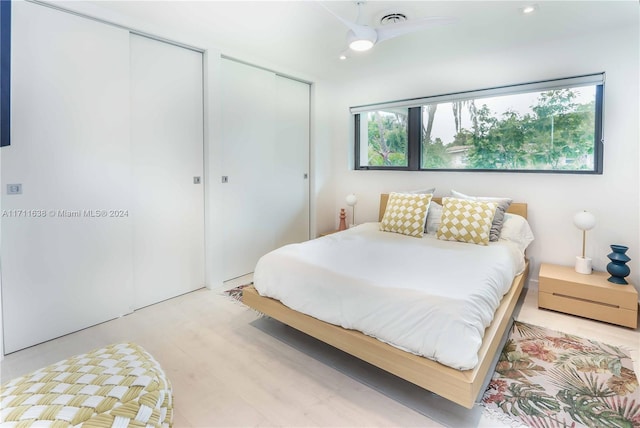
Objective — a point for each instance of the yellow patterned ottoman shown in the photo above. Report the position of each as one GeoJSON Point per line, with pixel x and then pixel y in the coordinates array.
{"type": "Point", "coordinates": [117, 386]}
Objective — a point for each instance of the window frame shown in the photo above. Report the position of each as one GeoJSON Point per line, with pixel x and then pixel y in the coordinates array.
{"type": "Point", "coordinates": [414, 132]}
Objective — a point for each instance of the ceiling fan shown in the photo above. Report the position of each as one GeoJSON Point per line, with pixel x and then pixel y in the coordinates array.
{"type": "Point", "coordinates": [362, 37]}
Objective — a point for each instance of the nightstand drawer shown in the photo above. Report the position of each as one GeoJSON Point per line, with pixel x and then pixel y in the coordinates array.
{"type": "Point", "coordinates": [592, 296]}
{"type": "Point", "coordinates": [588, 309]}
{"type": "Point", "coordinates": [593, 287]}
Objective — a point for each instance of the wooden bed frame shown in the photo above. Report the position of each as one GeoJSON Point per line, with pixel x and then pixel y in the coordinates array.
{"type": "Point", "coordinates": [461, 387]}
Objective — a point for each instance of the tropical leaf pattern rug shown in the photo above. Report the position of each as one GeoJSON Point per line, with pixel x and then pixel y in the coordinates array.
{"type": "Point", "coordinates": [236, 292]}
{"type": "Point", "coordinates": [548, 379]}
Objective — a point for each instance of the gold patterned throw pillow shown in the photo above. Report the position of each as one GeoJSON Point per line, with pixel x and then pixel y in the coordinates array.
{"type": "Point", "coordinates": [466, 221]}
{"type": "Point", "coordinates": [406, 213]}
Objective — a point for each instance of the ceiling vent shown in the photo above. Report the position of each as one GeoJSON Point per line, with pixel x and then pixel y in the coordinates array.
{"type": "Point", "coordinates": [393, 18]}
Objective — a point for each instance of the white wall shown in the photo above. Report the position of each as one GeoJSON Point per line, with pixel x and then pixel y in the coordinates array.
{"type": "Point", "coordinates": [323, 166]}
{"type": "Point", "coordinates": [1, 326]}
{"type": "Point", "coordinates": [553, 198]}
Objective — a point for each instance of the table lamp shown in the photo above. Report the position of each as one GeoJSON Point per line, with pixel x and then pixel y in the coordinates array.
{"type": "Point", "coordinates": [584, 221]}
{"type": "Point", "coordinates": [352, 200]}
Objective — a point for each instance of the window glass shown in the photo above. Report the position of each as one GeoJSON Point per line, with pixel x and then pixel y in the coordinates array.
{"type": "Point", "coordinates": [547, 130]}
{"type": "Point", "coordinates": [383, 138]}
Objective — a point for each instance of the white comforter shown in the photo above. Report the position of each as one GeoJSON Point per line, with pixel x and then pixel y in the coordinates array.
{"type": "Point", "coordinates": [429, 297]}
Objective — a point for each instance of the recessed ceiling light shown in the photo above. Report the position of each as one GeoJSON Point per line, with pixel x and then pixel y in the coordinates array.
{"type": "Point", "coordinates": [529, 9]}
{"type": "Point", "coordinates": [343, 57]}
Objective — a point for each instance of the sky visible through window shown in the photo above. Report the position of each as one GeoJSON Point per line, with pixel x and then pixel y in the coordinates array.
{"type": "Point", "coordinates": [444, 125]}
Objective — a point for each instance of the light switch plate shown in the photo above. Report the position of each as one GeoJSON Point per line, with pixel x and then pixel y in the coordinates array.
{"type": "Point", "coordinates": [14, 189]}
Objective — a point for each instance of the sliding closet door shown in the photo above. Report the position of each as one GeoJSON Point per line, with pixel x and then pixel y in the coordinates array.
{"type": "Point", "coordinates": [265, 132]}
{"type": "Point", "coordinates": [291, 201]}
{"type": "Point", "coordinates": [167, 168]}
{"type": "Point", "coordinates": [247, 131]}
{"type": "Point", "coordinates": [66, 257]}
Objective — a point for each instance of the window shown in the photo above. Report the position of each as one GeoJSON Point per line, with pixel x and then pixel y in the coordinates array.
{"type": "Point", "coordinates": [383, 138]}
{"type": "Point", "coordinates": [550, 126]}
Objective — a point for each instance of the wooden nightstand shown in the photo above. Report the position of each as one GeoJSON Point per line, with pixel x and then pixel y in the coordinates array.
{"type": "Point", "coordinates": [562, 289]}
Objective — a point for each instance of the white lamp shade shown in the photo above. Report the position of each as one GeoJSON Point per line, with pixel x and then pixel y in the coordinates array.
{"type": "Point", "coordinates": [351, 200]}
{"type": "Point", "coordinates": [584, 220]}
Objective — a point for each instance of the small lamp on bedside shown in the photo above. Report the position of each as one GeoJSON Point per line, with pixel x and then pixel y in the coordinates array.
{"type": "Point", "coordinates": [352, 200]}
{"type": "Point", "coordinates": [584, 221]}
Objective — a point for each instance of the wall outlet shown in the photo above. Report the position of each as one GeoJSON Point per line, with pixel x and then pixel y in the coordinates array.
{"type": "Point", "coordinates": [14, 189]}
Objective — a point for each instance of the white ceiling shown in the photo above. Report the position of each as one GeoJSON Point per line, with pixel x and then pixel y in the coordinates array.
{"type": "Point", "coordinates": [302, 37]}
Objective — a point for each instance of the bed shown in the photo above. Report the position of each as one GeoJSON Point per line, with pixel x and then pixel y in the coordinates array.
{"type": "Point", "coordinates": [461, 385]}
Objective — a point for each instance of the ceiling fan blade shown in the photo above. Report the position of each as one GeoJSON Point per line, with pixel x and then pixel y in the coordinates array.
{"type": "Point", "coordinates": [398, 29]}
{"type": "Point", "coordinates": [349, 24]}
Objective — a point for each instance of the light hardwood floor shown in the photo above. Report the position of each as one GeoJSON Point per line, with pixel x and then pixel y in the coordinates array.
{"type": "Point", "coordinates": [229, 369]}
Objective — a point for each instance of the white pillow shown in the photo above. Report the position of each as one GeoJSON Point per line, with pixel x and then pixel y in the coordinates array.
{"type": "Point", "coordinates": [517, 230]}
{"type": "Point", "coordinates": [423, 191]}
{"type": "Point", "coordinates": [434, 216]}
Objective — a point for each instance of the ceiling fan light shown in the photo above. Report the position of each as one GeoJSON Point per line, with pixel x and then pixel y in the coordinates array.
{"type": "Point", "coordinates": [363, 40]}
{"type": "Point", "coordinates": [361, 45]}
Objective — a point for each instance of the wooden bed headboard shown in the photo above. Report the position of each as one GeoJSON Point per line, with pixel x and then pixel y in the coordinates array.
{"type": "Point", "coordinates": [518, 208]}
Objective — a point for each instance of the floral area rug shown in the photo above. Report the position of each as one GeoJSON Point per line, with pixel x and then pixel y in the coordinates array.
{"type": "Point", "coordinates": [548, 379]}
{"type": "Point", "coordinates": [236, 292]}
